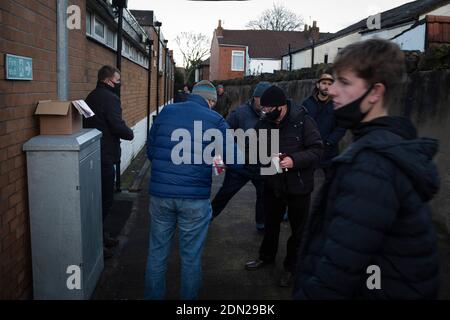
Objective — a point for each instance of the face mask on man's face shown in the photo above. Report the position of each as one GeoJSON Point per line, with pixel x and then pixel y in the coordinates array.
{"type": "Point", "coordinates": [271, 116]}
{"type": "Point", "coordinates": [115, 88]}
{"type": "Point", "coordinates": [350, 115]}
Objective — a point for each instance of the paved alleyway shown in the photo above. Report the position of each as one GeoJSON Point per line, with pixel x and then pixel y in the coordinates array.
{"type": "Point", "coordinates": [232, 240]}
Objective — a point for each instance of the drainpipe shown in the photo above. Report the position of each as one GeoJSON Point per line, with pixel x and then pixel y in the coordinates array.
{"type": "Point", "coordinates": [158, 24]}
{"type": "Point", "coordinates": [290, 58]}
{"type": "Point", "coordinates": [312, 53]}
{"type": "Point", "coordinates": [62, 51]}
{"type": "Point", "coordinates": [149, 83]}
{"type": "Point", "coordinates": [165, 72]}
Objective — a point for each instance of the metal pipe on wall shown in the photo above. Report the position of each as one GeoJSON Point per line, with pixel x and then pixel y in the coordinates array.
{"type": "Point", "coordinates": [62, 50]}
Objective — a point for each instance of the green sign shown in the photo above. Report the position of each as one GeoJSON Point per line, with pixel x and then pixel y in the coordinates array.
{"type": "Point", "coordinates": [18, 67]}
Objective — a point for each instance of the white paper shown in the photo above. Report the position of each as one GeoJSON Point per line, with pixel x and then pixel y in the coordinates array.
{"type": "Point", "coordinates": [83, 108]}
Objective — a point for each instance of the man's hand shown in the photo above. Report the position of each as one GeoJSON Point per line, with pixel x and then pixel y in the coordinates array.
{"type": "Point", "coordinates": [287, 163]}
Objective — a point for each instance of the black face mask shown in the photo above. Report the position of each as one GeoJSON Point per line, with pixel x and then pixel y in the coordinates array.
{"type": "Point", "coordinates": [350, 115]}
{"type": "Point", "coordinates": [271, 116]}
{"type": "Point", "coordinates": [115, 89]}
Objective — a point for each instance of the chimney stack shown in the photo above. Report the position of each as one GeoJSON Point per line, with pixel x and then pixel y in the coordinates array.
{"type": "Point", "coordinates": [219, 30]}
{"type": "Point", "coordinates": [314, 30]}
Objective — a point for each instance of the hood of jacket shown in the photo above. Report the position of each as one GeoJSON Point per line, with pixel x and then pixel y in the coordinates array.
{"type": "Point", "coordinates": [396, 139]}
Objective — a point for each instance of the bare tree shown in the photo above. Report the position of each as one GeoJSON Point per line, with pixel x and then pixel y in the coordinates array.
{"type": "Point", "coordinates": [194, 47]}
{"type": "Point", "coordinates": [277, 18]}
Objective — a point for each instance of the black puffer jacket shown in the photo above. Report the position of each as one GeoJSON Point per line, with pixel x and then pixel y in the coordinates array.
{"type": "Point", "coordinates": [299, 138]}
{"type": "Point", "coordinates": [107, 119]}
{"type": "Point", "coordinates": [374, 211]}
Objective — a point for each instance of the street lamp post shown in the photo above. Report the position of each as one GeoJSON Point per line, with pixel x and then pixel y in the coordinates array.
{"type": "Point", "coordinates": [158, 24]}
{"type": "Point", "coordinates": [119, 5]}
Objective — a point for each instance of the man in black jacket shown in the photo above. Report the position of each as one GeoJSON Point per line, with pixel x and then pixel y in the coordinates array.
{"type": "Point", "coordinates": [244, 117]}
{"type": "Point", "coordinates": [301, 146]}
{"type": "Point", "coordinates": [370, 234]}
{"type": "Point", "coordinates": [320, 107]}
{"type": "Point", "coordinates": [104, 101]}
{"type": "Point", "coordinates": [223, 101]}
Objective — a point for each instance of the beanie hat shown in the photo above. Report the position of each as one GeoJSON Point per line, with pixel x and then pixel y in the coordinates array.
{"type": "Point", "coordinates": [260, 88]}
{"type": "Point", "coordinates": [206, 90]}
{"type": "Point", "coordinates": [220, 86]}
{"type": "Point", "coordinates": [273, 97]}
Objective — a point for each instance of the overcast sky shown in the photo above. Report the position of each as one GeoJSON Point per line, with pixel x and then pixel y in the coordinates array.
{"type": "Point", "coordinates": [202, 16]}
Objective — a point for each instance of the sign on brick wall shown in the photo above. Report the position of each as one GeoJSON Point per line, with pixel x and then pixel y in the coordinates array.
{"type": "Point", "coordinates": [18, 67]}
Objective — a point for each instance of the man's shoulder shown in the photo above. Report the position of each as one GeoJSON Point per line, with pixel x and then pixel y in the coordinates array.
{"type": "Point", "coordinates": [100, 92]}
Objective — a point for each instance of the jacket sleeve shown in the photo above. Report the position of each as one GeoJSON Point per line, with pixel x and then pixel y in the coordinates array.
{"type": "Point", "coordinates": [233, 120]}
{"type": "Point", "coordinates": [365, 209]}
{"type": "Point", "coordinates": [115, 122]}
{"type": "Point", "coordinates": [229, 145]}
{"type": "Point", "coordinates": [335, 136]}
{"type": "Point", "coordinates": [310, 156]}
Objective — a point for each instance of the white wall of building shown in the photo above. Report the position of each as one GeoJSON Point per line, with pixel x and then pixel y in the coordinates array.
{"type": "Point", "coordinates": [130, 149]}
{"type": "Point", "coordinates": [258, 66]}
{"type": "Point", "coordinates": [331, 48]}
{"type": "Point", "coordinates": [386, 33]}
{"type": "Point", "coordinates": [413, 39]}
{"type": "Point", "coordinates": [302, 59]}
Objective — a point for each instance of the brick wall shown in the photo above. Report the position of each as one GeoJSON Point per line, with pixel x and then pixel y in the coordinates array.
{"type": "Point", "coordinates": [28, 28]}
{"type": "Point", "coordinates": [225, 64]}
{"type": "Point", "coordinates": [220, 62]}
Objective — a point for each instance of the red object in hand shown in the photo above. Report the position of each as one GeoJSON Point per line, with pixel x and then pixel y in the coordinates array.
{"type": "Point", "coordinates": [282, 156]}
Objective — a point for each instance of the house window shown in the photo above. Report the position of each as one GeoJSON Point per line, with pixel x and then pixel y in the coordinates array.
{"type": "Point", "coordinates": [325, 59]}
{"type": "Point", "coordinates": [110, 38]}
{"type": "Point", "coordinates": [237, 60]}
{"type": "Point", "coordinates": [88, 23]}
{"type": "Point", "coordinates": [127, 48]}
{"type": "Point", "coordinates": [99, 28]}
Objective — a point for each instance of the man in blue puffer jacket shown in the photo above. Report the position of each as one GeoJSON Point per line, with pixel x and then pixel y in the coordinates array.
{"type": "Point", "coordinates": [180, 186]}
{"type": "Point", "coordinates": [370, 234]}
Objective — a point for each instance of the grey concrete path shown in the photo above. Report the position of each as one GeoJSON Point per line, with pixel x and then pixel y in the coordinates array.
{"type": "Point", "coordinates": [232, 240]}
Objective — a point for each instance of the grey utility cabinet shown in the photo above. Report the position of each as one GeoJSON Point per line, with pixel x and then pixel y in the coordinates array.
{"type": "Point", "coordinates": [64, 191]}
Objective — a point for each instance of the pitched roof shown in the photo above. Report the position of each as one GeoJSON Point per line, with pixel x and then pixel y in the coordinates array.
{"type": "Point", "coordinates": [265, 43]}
{"type": "Point", "coordinates": [396, 16]}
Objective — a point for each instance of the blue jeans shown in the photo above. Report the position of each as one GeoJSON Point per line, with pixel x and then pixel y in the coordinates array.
{"type": "Point", "coordinates": [193, 217]}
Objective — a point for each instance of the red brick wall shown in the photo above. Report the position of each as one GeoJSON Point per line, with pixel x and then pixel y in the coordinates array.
{"type": "Point", "coordinates": [220, 62]}
{"type": "Point", "coordinates": [204, 73]}
{"type": "Point", "coordinates": [28, 28]}
{"type": "Point", "coordinates": [225, 63]}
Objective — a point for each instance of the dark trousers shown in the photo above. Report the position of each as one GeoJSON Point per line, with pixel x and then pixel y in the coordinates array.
{"type": "Point", "coordinates": [233, 182]}
{"type": "Point", "coordinates": [108, 175]}
{"type": "Point", "coordinates": [298, 207]}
